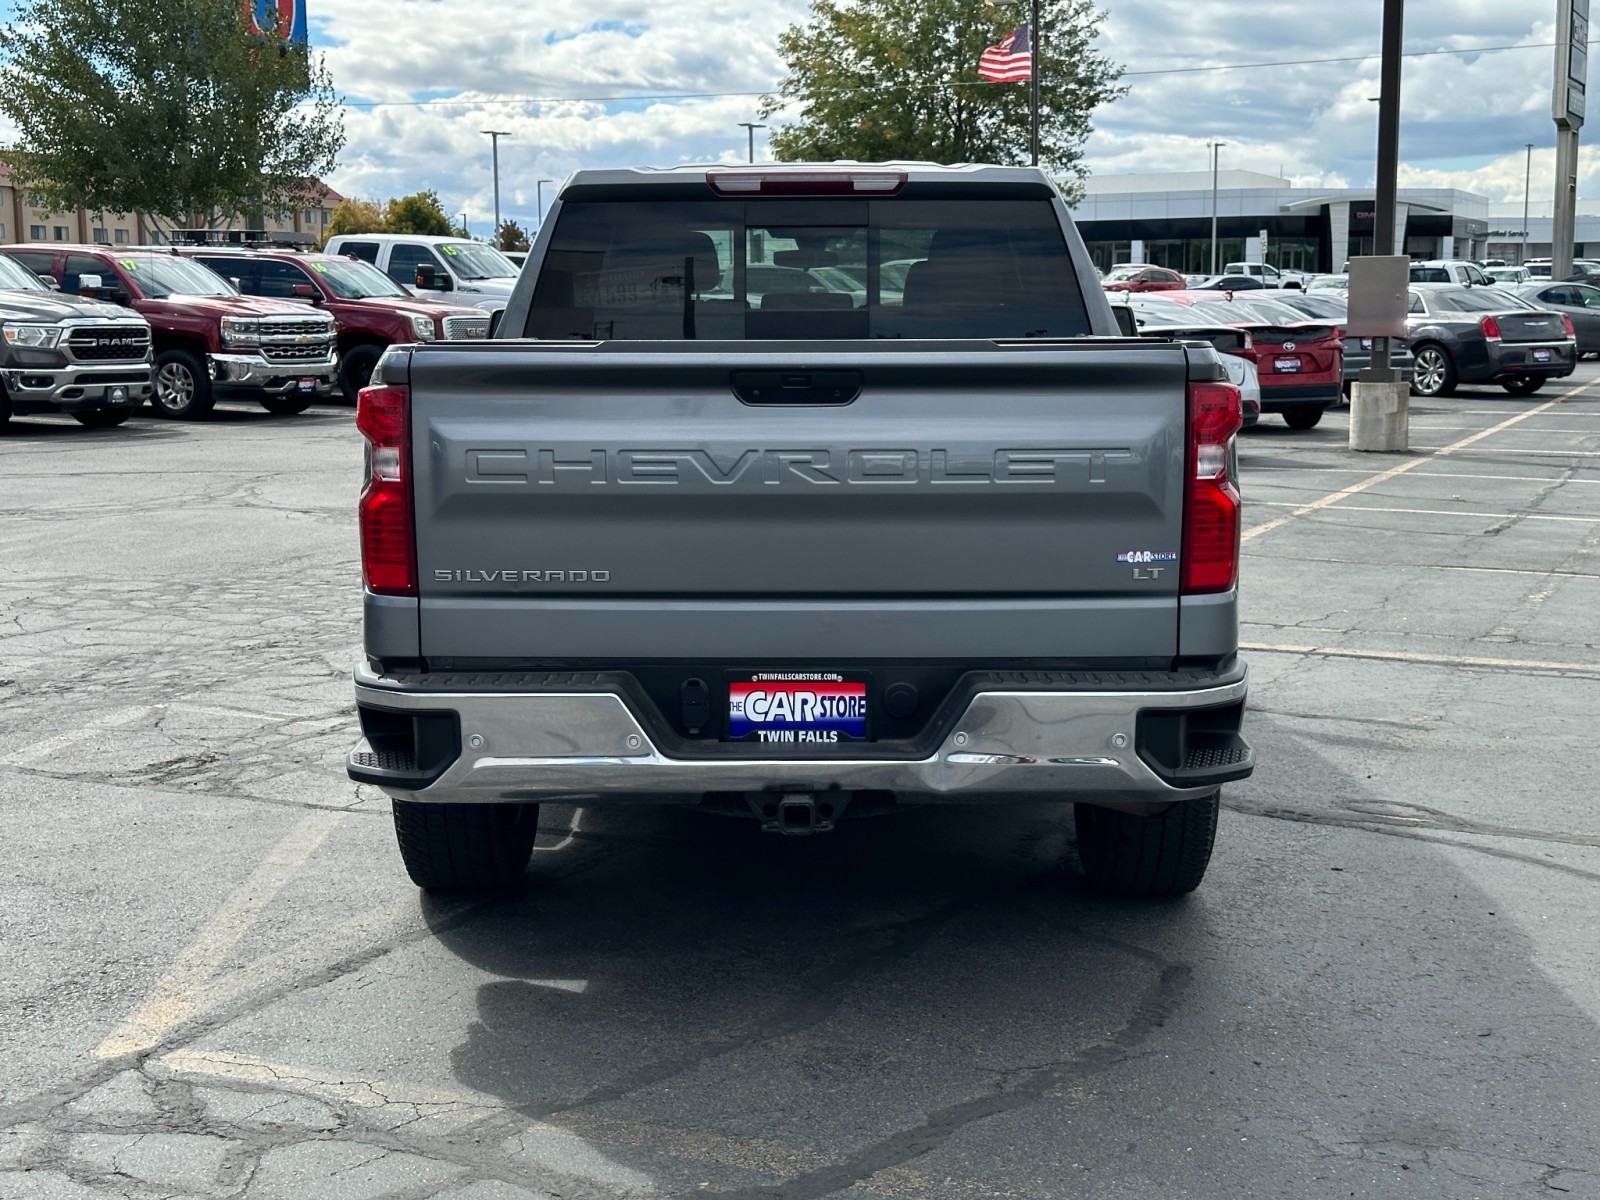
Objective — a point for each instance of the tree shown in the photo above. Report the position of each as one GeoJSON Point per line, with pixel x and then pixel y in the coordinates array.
{"type": "Point", "coordinates": [420, 212]}
{"type": "Point", "coordinates": [511, 236]}
{"type": "Point", "coordinates": [898, 79]}
{"type": "Point", "coordinates": [168, 108]}
{"type": "Point", "coordinates": [356, 216]}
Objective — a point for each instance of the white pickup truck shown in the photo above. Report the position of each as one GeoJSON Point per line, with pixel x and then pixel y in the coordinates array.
{"type": "Point", "coordinates": [1268, 274]}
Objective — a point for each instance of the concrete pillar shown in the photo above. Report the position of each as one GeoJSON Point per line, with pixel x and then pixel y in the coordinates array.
{"type": "Point", "coordinates": [1380, 416]}
{"type": "Point", "coordinates": [1339, 233]}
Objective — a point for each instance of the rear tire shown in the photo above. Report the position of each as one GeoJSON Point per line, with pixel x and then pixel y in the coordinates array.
{"type": "Point", "coordinates": [465, 847]}
{"type": "Point", "coordinates": [103, 418]}
{"type": "Point", "coordinates": [1130, 855]}
{"type": "Point", "coordinates": [355, 370]}
{"type": "Point", "coordinates": [182, 388]}
{"type": "Point", "coordinates": [1306, 417]}
{"type": "Point", "coordinates": [1524, 387]}
{"type": "Point", "coordinates": [285, 406]}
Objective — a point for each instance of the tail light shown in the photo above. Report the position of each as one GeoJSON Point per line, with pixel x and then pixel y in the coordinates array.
{"type": "Point", "coordinates": [388, 535]}
{"type": "Point", "coordinates": [1567, 321]}
{"type": "Point", "coordinates": [1211, 509]}
{"type": "Point", "coordinates": [828, 180]}
{"type": "Point", "coordinates": [1491, 328]}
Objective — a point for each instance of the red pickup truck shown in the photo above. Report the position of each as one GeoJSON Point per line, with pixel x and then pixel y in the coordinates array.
{"type": "Point", "coordinates": [371, 311]}
{"type": "Point", "coordinates": [210, 342]}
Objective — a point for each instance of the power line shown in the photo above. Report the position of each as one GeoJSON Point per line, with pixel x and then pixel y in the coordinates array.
{"type": "Point", "coordinates": [1256, 66]}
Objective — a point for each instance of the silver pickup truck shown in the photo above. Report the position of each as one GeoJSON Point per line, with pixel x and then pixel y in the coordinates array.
{"type": "Point", "coordinates": [731, 515]}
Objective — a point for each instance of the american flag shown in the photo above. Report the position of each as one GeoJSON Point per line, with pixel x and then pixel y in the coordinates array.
{"type": "Point", "coordinates": [1009, 60]}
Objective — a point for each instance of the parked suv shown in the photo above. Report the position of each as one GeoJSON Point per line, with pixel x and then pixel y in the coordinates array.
{"type": "Point", "coordinates": [66, 354]}
{"type": "Point", "coordinates": [478, 273]}
{"type": "Point", "coordinates": [211, 343]}
{"type": "Point", "coordinates": [371, 311]}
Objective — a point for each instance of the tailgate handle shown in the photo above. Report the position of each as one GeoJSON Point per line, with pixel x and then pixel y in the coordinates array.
{"type": "Point", "coordinates": [796, 387]}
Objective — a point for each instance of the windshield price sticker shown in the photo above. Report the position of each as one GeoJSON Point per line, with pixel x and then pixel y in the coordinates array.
{"type": "Point", "coordinates": [320, 268]}
{"type": "Point", "coordinates": [450, 250]}
{"type": "Point", "coordinates": [798, 708]}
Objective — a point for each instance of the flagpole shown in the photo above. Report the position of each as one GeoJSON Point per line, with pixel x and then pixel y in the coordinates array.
{"type": "Point", "coordinates": [1034, 37]}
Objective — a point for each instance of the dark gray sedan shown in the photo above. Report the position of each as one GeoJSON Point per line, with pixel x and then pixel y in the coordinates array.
{"type": "Point", "coordinates": [1483, 335]}
{"type": "Point", "coordinates": [1579, 301]}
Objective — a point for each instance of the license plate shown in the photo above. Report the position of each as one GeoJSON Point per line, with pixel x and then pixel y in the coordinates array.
{"type": "Point", "coordinates": [797, 708]}
{"type": "Point", "coordinates": [1541, 356]}
{"type": "Point", "coordinates": [308, 385]}
{"type": "Point", "coordinates": [117, 395]}
{"type": "Point", "coordinates": [1286, 366]}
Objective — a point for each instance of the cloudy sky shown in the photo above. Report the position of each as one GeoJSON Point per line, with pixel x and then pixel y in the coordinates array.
{"type": "Point", "coordinates": [587, 83]}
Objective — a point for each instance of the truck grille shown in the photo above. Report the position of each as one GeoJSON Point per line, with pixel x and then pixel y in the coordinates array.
{"type": "Point", "coordinates": [292, 341]}
{"type": "Point", "coordinates": [122, 343]}
{"type": "Point", "coordinates": [457, 329]}
{"type": "Point", "coordinates": [310, 352]}
{"type": "Point", "coordinates": [296, 329]}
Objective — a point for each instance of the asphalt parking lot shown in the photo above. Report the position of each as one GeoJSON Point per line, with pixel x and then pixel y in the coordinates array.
{"type": "Point", "coordinates": [220, 983]}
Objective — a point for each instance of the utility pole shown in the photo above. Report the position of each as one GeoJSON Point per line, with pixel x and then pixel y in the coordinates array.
{"type": "Point", "coordinates": [1527, 187]}
{"type": "Point", "coordinates": [750, 128]}
{"type": "Point", "coordinates": [1035, 37]}
{"type": "Point", "coordinates": [1215, 147]}
{"type": "Point", "coordinates": [1572, 68]}
{"type": "Point", "coordinates": [1380, 412]}
{"type": "Point", "coordinates": [494, 136]}
{"type": "Point", "coordinates": [540, 192]}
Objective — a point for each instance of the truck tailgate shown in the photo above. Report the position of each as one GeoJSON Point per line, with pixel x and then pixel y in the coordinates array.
{"type": "Point", "coordinates": [582, 503]}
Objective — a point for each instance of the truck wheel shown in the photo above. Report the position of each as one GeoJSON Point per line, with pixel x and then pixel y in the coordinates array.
{"type": "Point", "coordinates": [182, 388]}
{"type": "Point", "coordinates": [1524, 387]}
{"type": "Point", "coordinates": [1305, 417]}
{"type": "Point", "coordinates": [1432, 372]}
{"type": "Point", "coordinates": [285, 406]}
{"type": "Point", "coordinates": [103, 418]}
{"type": "Point", "coordinates": [355, 369]}
{"type": "Point", "coordinates": [1132, 855]}
{"type": "Point", "coordinates": [465, 847]}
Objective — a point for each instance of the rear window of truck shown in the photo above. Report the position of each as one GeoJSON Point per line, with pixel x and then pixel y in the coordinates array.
{"type": "Point", "coordinates": [729, 270]}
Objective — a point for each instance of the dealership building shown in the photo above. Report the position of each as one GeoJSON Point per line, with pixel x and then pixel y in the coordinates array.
{"type": "Point", "coordinates": [1165, 219]}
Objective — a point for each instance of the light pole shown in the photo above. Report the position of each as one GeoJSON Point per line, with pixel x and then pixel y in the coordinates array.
{"type": "Point", "coordinates": [494, 136]}
{"type": "Point", "coordinates": [1215, 147]}
{"type": "Point", "coordinates": [750, 128]}
{"type": "Point", "coordinates": [540, 189]}
{"type": "Point", "coordinates": [1527, 183]}
{"type": "Point", "coordinates": [464, 224]}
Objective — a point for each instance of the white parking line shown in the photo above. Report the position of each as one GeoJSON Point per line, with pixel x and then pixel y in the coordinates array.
{"type": "Point", "coordinates": [1424, 475]}
{"type": "Point", "coordinates": [1432, 660]}
{"type": "Point", "coordinates": [1403, 468]}
{"type": "Point", "coordinates": [1438, 512]}
{"type": "Point", "coordinates": [171, 1000]}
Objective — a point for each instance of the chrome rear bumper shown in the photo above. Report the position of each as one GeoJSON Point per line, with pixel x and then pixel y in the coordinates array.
{"type": "Point", "coordinates": [531, 746]}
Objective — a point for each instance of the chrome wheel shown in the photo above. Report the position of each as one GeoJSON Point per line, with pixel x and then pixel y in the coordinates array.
{"type": "Point", "coordinates": [1430, 371]}
{"type": "Point", "coordinates": [174, 387]}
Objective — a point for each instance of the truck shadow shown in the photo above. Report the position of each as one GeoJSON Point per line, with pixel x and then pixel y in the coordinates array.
{"type": "Point", "coordinates": [719, 1012]}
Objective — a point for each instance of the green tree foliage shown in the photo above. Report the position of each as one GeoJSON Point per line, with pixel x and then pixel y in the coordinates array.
{"type": "Point", "coordinates": [511, 236]}
{"type": "Point", "coordinates": [420, 212]}
{"type": "Point", "coordinates": [163, 107]}
{"type": "Point", "coordinates": [356, 216]}
{"type": "Point", "coordinates": [898, 79]}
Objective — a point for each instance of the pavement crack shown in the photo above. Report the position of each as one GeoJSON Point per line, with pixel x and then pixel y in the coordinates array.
{"type": "Point", "coordinates": [1159, 1003]}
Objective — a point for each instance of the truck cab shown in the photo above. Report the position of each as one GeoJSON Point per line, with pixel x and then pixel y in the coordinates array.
{"type": "Point", "coordinates": [210, 342]}
{"type": "Point", "coordinates": [370, 310]}
{"type": "Point", "coordinates": [1268, 274]}
{"type": "Point", "coordinates": [68, 354]}
{"type": "Point", "coordinates": [465, 271]}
